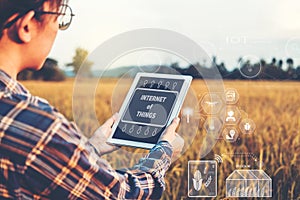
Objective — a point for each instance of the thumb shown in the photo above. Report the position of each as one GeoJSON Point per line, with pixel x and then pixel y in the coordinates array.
{"type": "Point", "coordinates": [172, 127]}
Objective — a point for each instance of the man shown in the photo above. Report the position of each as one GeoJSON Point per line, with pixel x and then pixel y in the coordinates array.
{"type": "Point", "coordinates": [42, 154]}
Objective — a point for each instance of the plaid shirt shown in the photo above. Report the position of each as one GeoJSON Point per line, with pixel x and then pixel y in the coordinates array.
{"type": "Point", "coordinates": [44, 156]}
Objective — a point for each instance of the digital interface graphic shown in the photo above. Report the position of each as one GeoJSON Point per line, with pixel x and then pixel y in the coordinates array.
{"type": "Point", "coordinates": [223, 118]}
{"type": "Point", "coordinates": [202, 178]}
{"type": "Point", "coordinates": [243, 121]}
{"type": "Point", "coordinates": [225, 121]}
{"type": "Point", "coordinates": [149, 109]}
{"type": "Point", "coordinates": [248, 183]}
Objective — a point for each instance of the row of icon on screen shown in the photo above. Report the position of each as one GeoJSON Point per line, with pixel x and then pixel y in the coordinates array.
{"type": "Point", "coordinates": [160, 84]}
{"type": "Point", "coordinates": [139, 131]}
{"type": "Point", "coordinates": [202, 181]}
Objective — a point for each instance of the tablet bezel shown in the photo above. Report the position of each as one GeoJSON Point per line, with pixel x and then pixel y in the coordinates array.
{"type": "Point", "coordinates": [174, 111]}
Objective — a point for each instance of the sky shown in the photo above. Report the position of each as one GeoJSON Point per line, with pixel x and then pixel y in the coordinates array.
{"type": "Point", "coordinates": [228, 29]}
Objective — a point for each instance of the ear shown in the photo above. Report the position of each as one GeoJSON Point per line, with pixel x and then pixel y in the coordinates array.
{"type": "Point", "coordinates": [25, 27]}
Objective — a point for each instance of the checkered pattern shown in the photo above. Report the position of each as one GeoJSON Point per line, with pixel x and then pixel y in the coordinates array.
{"type": "Point", "coordinates": [44, 156]}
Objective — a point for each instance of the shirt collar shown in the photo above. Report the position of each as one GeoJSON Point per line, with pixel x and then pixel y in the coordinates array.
{"type": "Point", "coordinates": [12, 85]}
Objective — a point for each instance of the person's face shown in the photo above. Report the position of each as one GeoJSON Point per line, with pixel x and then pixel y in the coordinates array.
{"type": "Point", "coordinates": [45, 35]}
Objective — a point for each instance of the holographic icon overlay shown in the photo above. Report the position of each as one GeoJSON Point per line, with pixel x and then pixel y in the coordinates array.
{"type": "Point", "coordinates": [218, 158]}
{"type": "Point", "coordinates": [230, 134]}
{"type": "Point", "coordinates": [232, 115]}
{"type": "Point", "coordinates": [248, 183]}
{"type": "Point", "coordinates": [247, 126]}
{"type": "Point", "coordinates": [250, 66]}
{"type": "Point", "coordinates": [211, 103]}
{"type": "Point", "coordinates": [213, 126]}
{"type": "Point", "coordinates": [219, 115]}
{"type": "Point", "coordinates": [231, 96]}
{"type": "Point", "coordinates": [202, 178]}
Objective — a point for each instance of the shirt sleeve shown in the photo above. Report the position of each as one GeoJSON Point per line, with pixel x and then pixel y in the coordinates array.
{"type": "Point", "coordinates": [71, 168]}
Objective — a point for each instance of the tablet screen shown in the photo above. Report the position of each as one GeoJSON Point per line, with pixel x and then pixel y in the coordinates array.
{"type": "Point", "coordinates": [149, 109]}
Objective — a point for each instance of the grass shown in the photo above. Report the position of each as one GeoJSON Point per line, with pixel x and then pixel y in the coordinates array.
{"type": "Point", "coordinates": [273, 106]}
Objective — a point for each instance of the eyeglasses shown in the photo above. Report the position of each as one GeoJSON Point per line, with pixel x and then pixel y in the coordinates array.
{"type": "Point", "coordinates": [64, 19]}
{"type": "Point", "coordinates": [65, 16]}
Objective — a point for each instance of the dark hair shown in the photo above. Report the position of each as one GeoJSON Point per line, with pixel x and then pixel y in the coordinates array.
{"type": "Point", "coordinates": [11, 7]}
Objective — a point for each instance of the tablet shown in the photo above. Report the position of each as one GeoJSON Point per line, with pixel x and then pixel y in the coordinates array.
{"type": "Point", "coordinates": [151, 104]}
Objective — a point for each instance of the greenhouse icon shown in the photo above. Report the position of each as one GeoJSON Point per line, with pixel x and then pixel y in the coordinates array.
{"type": "Point", "coordinates": [248, 183]}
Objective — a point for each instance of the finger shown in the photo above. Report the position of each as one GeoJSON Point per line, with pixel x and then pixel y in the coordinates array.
{"type": "Point", "coordinates": [107, 132]}
{"type": "Point", "coordinates": [172, 127]}
{"type": "Point", "coordinates": [111, 120]}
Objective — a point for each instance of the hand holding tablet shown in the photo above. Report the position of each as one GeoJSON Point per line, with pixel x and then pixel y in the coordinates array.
{"type": "Point", "coordinates": [152, 102]}
{"type": "Point", "coordinates": [173, 138]}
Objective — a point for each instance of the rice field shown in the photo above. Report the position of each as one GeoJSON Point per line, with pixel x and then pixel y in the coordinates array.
{"type": "Point", "coordinates": [273, 106]}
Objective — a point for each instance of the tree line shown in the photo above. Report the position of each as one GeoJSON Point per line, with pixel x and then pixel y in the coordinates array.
{"type": "Point", "coordinates": [51, 72]}
{"type": "Point", "coordinates": [261, 70]}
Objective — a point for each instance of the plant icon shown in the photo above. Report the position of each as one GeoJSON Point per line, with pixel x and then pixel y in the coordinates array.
{"type": "Point", "coordinates": [197, 180]}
